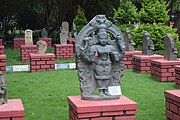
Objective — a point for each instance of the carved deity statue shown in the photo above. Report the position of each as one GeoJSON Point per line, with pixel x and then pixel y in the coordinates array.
{"type": "Point", "coordinates": [100, 59]}
{"type": "Point", "coordinates": [170, 48]}
{"type": "Point", "coordinates": [147, 44]}
{"type": "Point", "coordinates": [3, 91]}
{"type": "Point", "coordinates": [128, 41]}
{"type": "Point", "coordinates": [63, 37]}
{"type": "Point", "coordinates": [42, 46]}
{"type": "Point", "coordinates": [28, 37]}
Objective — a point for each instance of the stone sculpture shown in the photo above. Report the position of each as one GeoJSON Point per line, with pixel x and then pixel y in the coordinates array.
{"type": "Point", "coordinates": [74, 30]}
{"type": "Point", "coordinates": [170, 48]}
{"type": "Point", "coordinates": [3, 91]}
{"type": "Point", "coordinates": [100, 59]}
{"type": "Point", "coordinates": [65, 26]}
{"type": "Point", "coordinates": [28, 37]}
{"type": "Point", "coordinates": [42, 47]}
{"type": "Point", "coordinates": [128, 41]}
{"type": "Point", "coordinates": [44, 33]}
{"type": "Point", "coordinates": [147, 44]}
{"type": "Point", "coordinates": [63, 37]}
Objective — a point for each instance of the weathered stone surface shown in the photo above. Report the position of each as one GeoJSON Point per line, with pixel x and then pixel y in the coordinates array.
{"type": "Point", "coordinates": [3, 90]}
{"type": "Point", "coordinates": [100, 59]}
{"type": "Point", "coordinates": [170, 48]}
{"type": "Point", "coordinates": [74, 30]}
{"type": "Point", "coordinates": [42, 47]}
{"type": "Point", "coordinates": [28, 37]}
{"type": "Point", "coordinates": [147, 44]}
{"type": "Point", "coordinates": [128, 41]}
{"type": "Point", "coordinates": [65, 26]}
{"type": "Point", "coordinates": [44, 33]}
{"type": "Point", "coordinates": [63, 37]}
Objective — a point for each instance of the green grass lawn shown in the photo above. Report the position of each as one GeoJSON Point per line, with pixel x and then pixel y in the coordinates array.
{"type": "Point", "coordinates": [13, 57]}
{"type": "Point", "coordinates": [44, 93]}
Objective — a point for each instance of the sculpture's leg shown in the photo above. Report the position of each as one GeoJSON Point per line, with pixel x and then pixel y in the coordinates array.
{"type": "Point", "coordinates": [106, 87]}
{"type": "Point", "coordinates": [100, 88]}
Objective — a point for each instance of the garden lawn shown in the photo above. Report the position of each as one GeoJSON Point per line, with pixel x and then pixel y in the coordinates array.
{"type": "Point", "coordinates": [44, 94]}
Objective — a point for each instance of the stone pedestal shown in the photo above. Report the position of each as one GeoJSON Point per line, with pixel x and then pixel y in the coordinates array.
{"type": "Point", "coordinates": [117, 109]}
{"type": "Point", "coordinates": [141, 63]}
{"type": "Point", "coordinates": [40, 62]}
{"type": "Point", "coordinates": [177, 75]}
{"type": "Point", "coordinates": [72, 41]}
{"type": "Point", "coordinates": [48, 41]}
{"type": "Point", "coordinates": [13, 110]}
{"type": "Point", "coordinates": [1, 50]}
{"type": "Point", "coordinates": [63, 51]}
{"type": "Point", "coordinates": [18, 42]}
{"type": "Point", "coordinates": [3, 63]}
{"type": "Point", "coordinates": [128, 58]}
{"type": "Point", "coordinates": [1, 42]}
{"type": "Point", "coordinates": [163, 70]}
{"type": "Point", "coordinates": [26, 50]}
{"type": "Point", "coordinates": [172, 104]}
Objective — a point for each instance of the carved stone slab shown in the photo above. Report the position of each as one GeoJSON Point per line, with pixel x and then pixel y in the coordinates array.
{"type": "Point", "coordinates": [170, 52]}
{"type": "Point", "coordinates": [3, 90]}
{"type": "Point", "coordinates": [42, 47]}
{"type": "Point", "coordinates": [63, 36]}
{"type": "Point", "coordinates": [128, 41]}
{"type": "Point", "coordinates": [147, 44]}
{"type": "Point", "coordinates": [65, 26]}
{"type": "Point", "coordinates": [44, 33]}
{"type": "Point", "coordinates": [28, 37]}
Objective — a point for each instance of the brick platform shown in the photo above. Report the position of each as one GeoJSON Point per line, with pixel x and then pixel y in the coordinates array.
{"type": "Point", "coordinates": [141, 63]}
{"type": "Point", "coordinates": [128, 59]}
{"type": "Point", "coordinates": [163, 70]}
{"type": "Point", "coordinates": [13, 110]}
{"type": "Point", "coordinates": [48, 41]}
{"type": "Point", "coordinates": [26, 50]}
{"type": "Point", "coordinates": [177, 75]}
{"type": "Point", "coordinates": [42, 62]}
{"type": "Point", "coordinates": [18, 42]}
{"type": "Point", "coordinates": [63, 51]}
{"type": "Point", "coordinates": [3, 63]}
{"type": "Point", "coordinates": [1, 42]}
{"type": "Point", "coordinates": [72, 41]}
{"type": "Point", "coordinates": [117, 109]}
{"type": "Point", "coordinates": [172, 104]}
{"type": "Point", "coordinates": [1, 50]}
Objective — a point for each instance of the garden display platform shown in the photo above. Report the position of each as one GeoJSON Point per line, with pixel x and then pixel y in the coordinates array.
{"type": "Point", "coordinates": [18, 42]}
{"type": "Point", "coordinates": [26, 50]}
{"type": "Point", "coordinates": [177, 75]}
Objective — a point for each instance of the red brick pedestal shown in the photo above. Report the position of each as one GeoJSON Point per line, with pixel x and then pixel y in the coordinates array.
{"type": "Point", "coordinates": [63, 51]}
{"type": "Point", "coordinates": [3, 63]}
{"type": "Point", "coordinates": [177, 75]}
{"type": "Point", "coordinates": [18, 42]}
{"type": "Point", "coordinates": [141, 63]}
{"type": "Point", "coordinates": [128, 59]}
{"type": "Point", "coordinates": [48, 41]}
{"type": "Point", "coordinates": [117, 109]}
{"type": "Point", "coordinates": [1, 50]}
{"type": "Point", "coordinates": [1, 42]}
{"type": "Point", "coordinates": [163, 69]}
{"type": "Point", "coordinates": [72, 41]}
{"type": "Point", "coordinates": [172, 104]}
{"type": "Point", "coordinates": [26, 50]}
{"type": "Point", "coordinates": [13, 110]}
{"type": "Point", "coordinates": [40, 62]}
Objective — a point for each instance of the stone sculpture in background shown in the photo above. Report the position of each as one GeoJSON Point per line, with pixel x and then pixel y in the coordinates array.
{"type": "Point", "coordinates": [100, 59]}
{"type": "Point", "coordinates": [74, 30]}
{"type": "Point", "coordinates": [128, 41]}
{"type": "Point", "coordinates": [3, 91]}
{"type": "Point", "coordinates": [65, 26]}
{"type": "Point", "coordinates": [44, 33]}
{"type": "Point", "coordinates": [170, 48]}
{"type": "Point", "coordinates": [28, 37]}
{"type": "Point", "coordinates": [41, 46]}
{"type": "Point", "coordinates": [147, 44]}
{"type": "Point", "coordinates": [63, 37]}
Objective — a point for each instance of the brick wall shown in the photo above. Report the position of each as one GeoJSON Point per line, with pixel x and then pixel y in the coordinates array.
{"type": "Point", "coordinates": [48, 41]}
{"type": "Point", "coordinates": [163, 70]}
{"type": "Point", "coordinates": [1, 42]}
{"type": "Point", "coordinates": [117, 109]}
{"type": "Point", "coordinates": [172, 104]}
{"type": "Point", "coordinates": [72, 41]}
{"type": "Point", "coordinates": [177, 75]}
{"type": "Point", "coordinates": [40, 62]}
{"type": "Point", "coordinates": [1, 50]}
{"type": "Point", "coordinates": [3, 63]}
{"type": "Point", "coordinates": [63, 51]}
{"type": "Point", "coordinates": [128, 58]}
{"type": "Point", "coordinates": [26, 50]}
{"type": "Point", "coordinates": [18, 42]}
{"type": "Point", "coordinates": [141, 63]}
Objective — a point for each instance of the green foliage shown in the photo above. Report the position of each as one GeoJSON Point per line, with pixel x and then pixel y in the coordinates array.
{"type": "Point", "coordinates": [123, 27]}
{"type": "Point", "coordinates": [176, 6]}
{"type": "Point", "coordinates": [80, 19]}
{"type": "Point", "coordinates": [154, 11]}
{"type": "Point", "coordinates": [127, 12]}
{"type": "Point", "coordinates": [157, 32]}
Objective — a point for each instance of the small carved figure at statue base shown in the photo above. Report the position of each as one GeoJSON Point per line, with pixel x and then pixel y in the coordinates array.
{"type": "Point", "coordinates": [3, 91]}
{"type": "Point", "coordinates": [147, 44]}
{"type": "Point", "coordinates": [42, 47]}
{"type": "Point", "coordinates": [99, 59]}
{"type": "Point", "coordinates": [128, 41]}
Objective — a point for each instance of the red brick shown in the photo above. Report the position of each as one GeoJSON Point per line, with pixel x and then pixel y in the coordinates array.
{"type": "Point", "coordinates": [167, 105]}
{"type": "Point", "coordinates": [125, 118]}
{"type": "Point", "coordinates": [174, 108]}
{"type": "Point", "coordinates": [102, 118]}
{"type": "Point", "coordinates": [131, 112]}
{"type": "Point", "coordinates": [176, 117]}
{"type": "Point", "coordinates": [41, 62]}
{"type": "Point", "coordinates": [85, 115]}
{"type": "Point", "coordinates": [169, 114]}
{"type": "Point", "coordinates": [45, 66]}
{"type": "Point", "coordinates": [112, 113]}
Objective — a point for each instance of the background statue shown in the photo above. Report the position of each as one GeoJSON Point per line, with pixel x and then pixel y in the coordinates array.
{"type": "Point", "coordinates": [63, 37]}
{"type": "Point", "coordinates": [128, 41]}
{"type": "Point", "coordinates": [41, 46]}
{"type": "Point", "coordinates": [99, 59]}
{"type": "Point", "coordinates": [3, 91]}
{"type": "Point", "coordinates": [44, 33]}
{"type": "Point", "coordinates": [147, 44]}
{"type": "Point", "coordinates": [170, 52]}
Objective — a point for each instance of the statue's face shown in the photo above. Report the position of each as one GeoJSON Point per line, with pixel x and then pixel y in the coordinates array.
{"type": "Point", "coordinates": [100, 18]}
